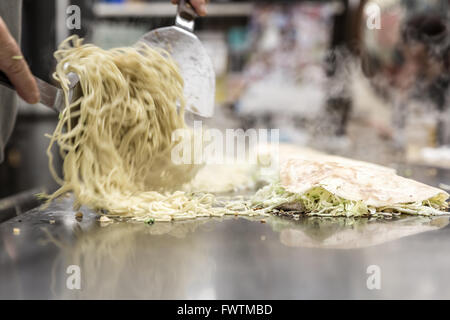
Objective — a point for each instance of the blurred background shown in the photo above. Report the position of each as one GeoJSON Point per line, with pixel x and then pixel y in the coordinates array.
{"type": "Point", "coordinates": [367, 80]}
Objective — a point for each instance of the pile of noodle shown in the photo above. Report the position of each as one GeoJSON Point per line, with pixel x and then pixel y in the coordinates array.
{"type": "Point", "coordinates": [116, 139]}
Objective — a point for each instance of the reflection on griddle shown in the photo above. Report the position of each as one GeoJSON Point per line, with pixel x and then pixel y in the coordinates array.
{"type": "Point", "coordinates": [110, 258]}
{"type": "Point", "coordinates": [351, 233]}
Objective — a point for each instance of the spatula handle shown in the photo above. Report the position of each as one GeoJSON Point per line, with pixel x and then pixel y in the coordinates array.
{"type": "Point", "coordinates": [186, 10]}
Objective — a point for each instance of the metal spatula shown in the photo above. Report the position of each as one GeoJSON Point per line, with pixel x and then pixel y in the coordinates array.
{"type": "Point", "coordinates": [51, 96]}
{"type": "Point", "coordinates": [185, 48]}
{"type": "Point", "coordinates": [194, 63]}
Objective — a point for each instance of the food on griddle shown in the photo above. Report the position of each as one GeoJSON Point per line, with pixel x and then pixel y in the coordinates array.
{"type": "Point", "coordinates": [333, 189]}
{"type": "Point", "coordinates": [224, 178]}
{"type": "Point", "coordinates": [79, 216]}
{"type": "Point", "coordinates": [117, 142]}
{"type": "Point", "coordinates": [271, 156]}
{"type": "Point", "coordinates": [116, 139]}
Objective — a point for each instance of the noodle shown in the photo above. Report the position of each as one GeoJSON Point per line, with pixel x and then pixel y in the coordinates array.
{"type": "Point", "coordinates": [116, 139]}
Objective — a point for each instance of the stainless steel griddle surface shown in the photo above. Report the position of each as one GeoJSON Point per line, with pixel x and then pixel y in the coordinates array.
{"type": "Point", "coordinates": [229, 258]}
{"type": "Point", "coordinates": [222, 258]}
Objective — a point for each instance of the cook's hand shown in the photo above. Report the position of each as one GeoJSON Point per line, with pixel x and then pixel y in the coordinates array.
{"type": "Point", "coordinates": [15, 67]}
{"type": "Point", "coordinates": [199, 6]}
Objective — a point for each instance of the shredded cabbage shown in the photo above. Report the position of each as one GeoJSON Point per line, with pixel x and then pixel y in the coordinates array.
{"type": "Point", "coordinates": [320, 202]}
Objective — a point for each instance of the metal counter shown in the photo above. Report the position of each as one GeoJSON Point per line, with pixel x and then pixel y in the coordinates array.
{"type": "Point", "coordinates": [229, 258]}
